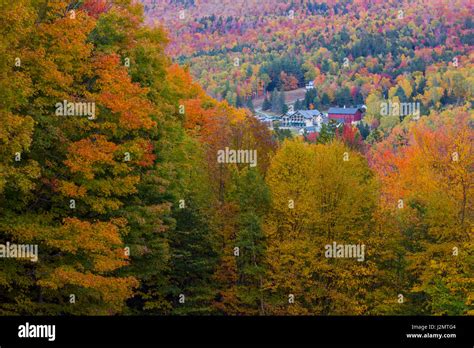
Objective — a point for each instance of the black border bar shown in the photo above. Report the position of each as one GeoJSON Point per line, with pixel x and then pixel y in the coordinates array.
{"type": "Point", "coordinates": [225, 330]}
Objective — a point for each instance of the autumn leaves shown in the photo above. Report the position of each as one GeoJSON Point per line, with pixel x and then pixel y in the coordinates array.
{"type": "Point", "coordinates": [334, 201]}
{"type": "Point", "coordinates": [134, 213]}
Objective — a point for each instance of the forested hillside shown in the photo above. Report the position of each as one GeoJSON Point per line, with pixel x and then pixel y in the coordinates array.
{"type": "Point", "coordinates": [133, 211]}
{"type": "Point", "coordinates": [354, 50]}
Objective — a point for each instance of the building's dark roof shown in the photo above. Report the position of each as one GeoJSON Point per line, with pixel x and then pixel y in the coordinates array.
{"type": "Point", "coordinates": [309, 113]}
{"type": "Point", "coordinates": [305, 113]}
{"type": "Point", "coordinates": [343, 111]}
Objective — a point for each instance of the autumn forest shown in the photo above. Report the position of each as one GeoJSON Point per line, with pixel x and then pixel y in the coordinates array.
{"type": "Point", "coordinates": [136, 179]}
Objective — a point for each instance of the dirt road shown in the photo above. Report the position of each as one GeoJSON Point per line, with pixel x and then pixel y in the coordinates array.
{"type": "Point", "coordinates": [290, 97]}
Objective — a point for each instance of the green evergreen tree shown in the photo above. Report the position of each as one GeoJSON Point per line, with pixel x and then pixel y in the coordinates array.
{"type": "Point", "coordinates": [328, 131]}
{"type": "Point", "coordinates": [363, 129]}
{"type": "Point", "coordinates": [250, 105]}
{"type": "Point", "coordinates": [193, 261]}
{"type": "Point", "coordinates": [325, 99]}
{"type": "Point", "coordinates": [283, 108]}
{"type": "Point", "coordinates": [276, 105]}
{"type": "Point", "coordinates": [298, 105]}
{"type": "Point", "coordinates": [266, 104]}
{"type": "Point", "coordinates": [343, 97]}
{"type": "Point", "coordinates": [309, 97]}
{"type": "Point", "coordinates": [251, 194]}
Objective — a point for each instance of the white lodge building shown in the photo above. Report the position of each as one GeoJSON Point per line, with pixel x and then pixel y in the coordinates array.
{"type": "Point", "coordinates": [303, 119]}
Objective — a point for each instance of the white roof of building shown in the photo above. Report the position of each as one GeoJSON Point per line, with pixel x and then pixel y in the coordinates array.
{"type": "Point", "coordinates": [309, 113]}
